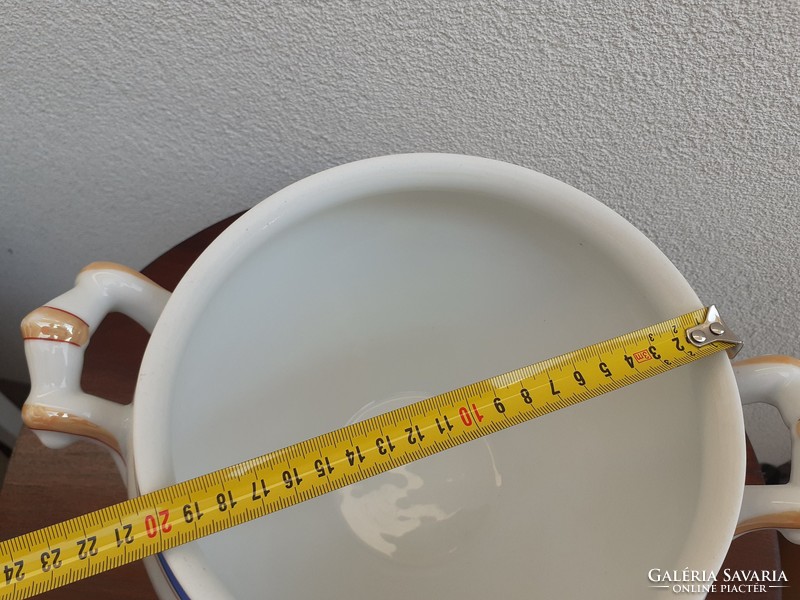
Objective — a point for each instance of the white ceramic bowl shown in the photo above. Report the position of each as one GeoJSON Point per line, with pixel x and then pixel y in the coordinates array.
{"type": "Point", "coordinates": [385, 281]}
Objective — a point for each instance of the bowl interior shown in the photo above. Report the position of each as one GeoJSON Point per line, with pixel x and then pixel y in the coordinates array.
{"type": "Point", "coordinates": [387, 298]}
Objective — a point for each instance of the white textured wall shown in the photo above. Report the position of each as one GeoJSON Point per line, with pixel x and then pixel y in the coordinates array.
{"type": "Point", "coordinates": [125, 127]}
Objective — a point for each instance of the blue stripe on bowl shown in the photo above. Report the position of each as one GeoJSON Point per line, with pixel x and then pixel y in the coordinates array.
{"type": "Point", "coordinates": [173, 581]}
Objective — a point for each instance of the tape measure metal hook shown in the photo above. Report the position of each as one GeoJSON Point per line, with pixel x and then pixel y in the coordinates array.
{"type": "Point", "coordinates": [713, 329]}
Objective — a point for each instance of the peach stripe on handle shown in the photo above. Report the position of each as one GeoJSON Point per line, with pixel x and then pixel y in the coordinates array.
{"type": "Point", "coordinates": [56, 325]}
{"type": "Point", "coordinates": [43, 418]}
{"type": "Point", "coordinates": [785, 520]}
{"type": "Point", "coordinates": [769, 359]}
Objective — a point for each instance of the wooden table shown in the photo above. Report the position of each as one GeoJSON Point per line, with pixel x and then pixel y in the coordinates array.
{"type": "Point", "coordinates": [43, 486]}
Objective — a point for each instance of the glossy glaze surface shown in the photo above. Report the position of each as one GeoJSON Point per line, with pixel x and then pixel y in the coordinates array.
{"type": "Point", "coordinates": [425, 273]}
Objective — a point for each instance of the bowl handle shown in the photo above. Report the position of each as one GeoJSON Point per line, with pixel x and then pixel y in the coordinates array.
{"type": "Point", "coordinates": [56, 335]}
{"type": "Point", "coordinates": [774, 380]}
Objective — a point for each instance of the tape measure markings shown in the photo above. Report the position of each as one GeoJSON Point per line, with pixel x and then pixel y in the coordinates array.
{"type": "Point", "coordinates": [155, 522]}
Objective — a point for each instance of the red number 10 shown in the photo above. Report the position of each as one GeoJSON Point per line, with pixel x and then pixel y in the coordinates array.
{"type": "Point", "coordinates": [466, 417]}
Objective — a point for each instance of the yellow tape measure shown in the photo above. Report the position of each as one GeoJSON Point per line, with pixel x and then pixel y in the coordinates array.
{"type": "Point", "coordinates": [128, 531]}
